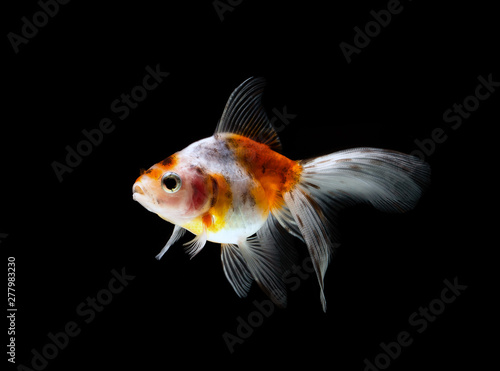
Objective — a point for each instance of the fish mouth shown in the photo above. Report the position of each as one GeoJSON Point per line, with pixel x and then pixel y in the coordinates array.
{"type": "Point", "coordinates": [139, 195]}
{"type": "Point", "coordinates": [137, 190]}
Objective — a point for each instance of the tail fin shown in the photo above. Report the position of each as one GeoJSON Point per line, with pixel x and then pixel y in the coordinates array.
{"type": "Point", "coordinates": [390, 181]}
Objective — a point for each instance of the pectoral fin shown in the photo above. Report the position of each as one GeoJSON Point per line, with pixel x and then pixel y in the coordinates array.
{"type": "Point", "coordinates": [176, 234]}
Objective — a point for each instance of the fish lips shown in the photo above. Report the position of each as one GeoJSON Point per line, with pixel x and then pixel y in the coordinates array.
{"type": "Point", "coordinates": [139, 195]}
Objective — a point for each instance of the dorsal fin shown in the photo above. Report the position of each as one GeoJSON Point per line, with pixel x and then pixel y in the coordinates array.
{"type": "Point", "coordinates": [245, 115]}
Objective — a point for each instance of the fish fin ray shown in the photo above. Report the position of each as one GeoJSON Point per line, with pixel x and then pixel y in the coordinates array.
{"type": "Point", "coordinates": [286, 221]}
{"type": "Point", "coordinates": [263, 262]}
{"type": "Point", "coordinates": [388, 180]}
{"type": "Point", "coordinates": [236, 269]}
{"type": "Point", "coordinates": [244, 114]}
{"type": "Point", "coordinates": [176, 234]}
{"type": "Point", "coordinates": [316, 231]}
{"type": "Point", "coordinates": [194, 246]}
{"type": "Point", "coordinates": [272, 233]}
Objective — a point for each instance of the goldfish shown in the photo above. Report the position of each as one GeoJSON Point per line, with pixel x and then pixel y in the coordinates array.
{"type": "Point", "coordinates": [236, 189]}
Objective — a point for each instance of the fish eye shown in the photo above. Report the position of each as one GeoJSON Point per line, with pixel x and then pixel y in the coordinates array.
{"type": "Point", "coordinates": [171, 182]}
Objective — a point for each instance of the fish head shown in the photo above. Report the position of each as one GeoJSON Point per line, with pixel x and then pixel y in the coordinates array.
{"type": "Point", "coordinates": [175, 190]}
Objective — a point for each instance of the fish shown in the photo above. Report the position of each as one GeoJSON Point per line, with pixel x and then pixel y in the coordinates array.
{"type": "Point", "coordinates": [236, 189]}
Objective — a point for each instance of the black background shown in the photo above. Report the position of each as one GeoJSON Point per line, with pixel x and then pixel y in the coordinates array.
{"type": "Point", "coordinates": [68, 236]}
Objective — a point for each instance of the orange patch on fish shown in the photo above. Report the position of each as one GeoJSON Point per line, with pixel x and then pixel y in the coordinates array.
{"type": "Point", "coordinates": [154, 172]}
{"type": "Point", "coordinates": [158, 170]}
{"type": "Point", "coordinates": [275, 173]}
{"type": "Point", "coordinates": [207, 220]}
{"type": "Point", "coordinates": [170, 162]}
{"type": "Point", "coordinates": [221, 202]}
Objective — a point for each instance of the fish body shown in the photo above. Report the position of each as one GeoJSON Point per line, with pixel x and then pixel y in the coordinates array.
{"type": "Point", "coordinates": [236, 189]}
{"type": "Point", "coordinates": [236, 183]}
